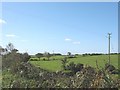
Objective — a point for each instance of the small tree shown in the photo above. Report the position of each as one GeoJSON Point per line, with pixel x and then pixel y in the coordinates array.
{"type": "Point", "coordinates": [69, 53]}
{"type": "Point", "coordinates": [47, 54]}
{"type": "Point", "coordinates": [10, 47]}
{"type": "Point", "coordinates": [39, 55]}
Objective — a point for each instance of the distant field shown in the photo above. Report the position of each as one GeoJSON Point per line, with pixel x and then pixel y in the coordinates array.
{"type": "Point", "coordinates": [55, 65]}
{"type": "Point", "coordinates": [51, 58]}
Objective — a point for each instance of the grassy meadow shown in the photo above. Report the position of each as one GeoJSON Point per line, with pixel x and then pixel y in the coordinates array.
{"type": "Point", "coordinates": [54, 64]}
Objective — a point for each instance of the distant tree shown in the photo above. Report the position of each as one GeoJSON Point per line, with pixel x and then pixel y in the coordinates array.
{"type": "Point", "coordinates": [76, 54]}
{"type": "Point", "coordinates": [68, 53]}
{"type": "Point", "coordinates": [14, 51]}
{"type": "Point", "coordinates": [47, 54]}
{"type": "Point", "coordinates": [39, 55]}
{"type": "Point", "coordinates": [10, 47]}
{"type": "Point", "coordinates": [57, 54]}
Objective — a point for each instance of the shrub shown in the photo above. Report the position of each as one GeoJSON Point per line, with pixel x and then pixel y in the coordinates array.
{"type": "Point", "coordinates": [74, 67]}
{"type": "Point", "coordinates": [78, 67]}
{"type": "Point", "coordinates": [19, 73]}
{"type": "Point", "coordinates": [25, 57]}
{"type": "Point", "coordinates": [64, 61]}
{"type": "Point", "coordinates": [44, 59]}
{"type": "Point", "coordinates": [109, 67]}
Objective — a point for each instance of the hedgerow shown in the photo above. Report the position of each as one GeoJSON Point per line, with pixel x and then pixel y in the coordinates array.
{"type": "Point", "coordinates": [18, 72]}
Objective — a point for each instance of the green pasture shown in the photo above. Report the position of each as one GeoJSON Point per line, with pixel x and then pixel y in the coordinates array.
{"type": "Point", "coordinates": [51, 58]}
{"type": "Point", "coordinates": [91, 60]}
{"type": "Point", "coordinates": [48, 65]}
{"type": "Point", "coordinates": [55, 65]}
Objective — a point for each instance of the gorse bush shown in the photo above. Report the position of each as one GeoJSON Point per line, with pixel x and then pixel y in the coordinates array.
{"type": "Point", "coordinates": [13, 61]}
{"type": "Point", "coordinates": [74, 67]}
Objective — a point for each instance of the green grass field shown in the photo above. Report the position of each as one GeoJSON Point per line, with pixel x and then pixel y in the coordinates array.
{"type": "Point", "coordinates": [55, 65]}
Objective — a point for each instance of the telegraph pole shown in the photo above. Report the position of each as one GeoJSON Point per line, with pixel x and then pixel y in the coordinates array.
{"type": "Point", "coordinates": [53, 52]}
{"type": "Point", "coordinates": [109, 46]}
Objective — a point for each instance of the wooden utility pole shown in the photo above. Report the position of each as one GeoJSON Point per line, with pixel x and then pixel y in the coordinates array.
{"type": "Point", "coordinates": [53, 53]}
{"type": "Point", "coordinates": [109, 46]}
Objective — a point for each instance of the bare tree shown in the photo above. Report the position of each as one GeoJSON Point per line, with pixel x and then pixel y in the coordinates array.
{"type": "Point", "coordinates": [10, 47]}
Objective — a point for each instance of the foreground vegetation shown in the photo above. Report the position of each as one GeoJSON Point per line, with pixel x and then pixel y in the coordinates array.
{"type": "Point", "coordinates": [18, 72]}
